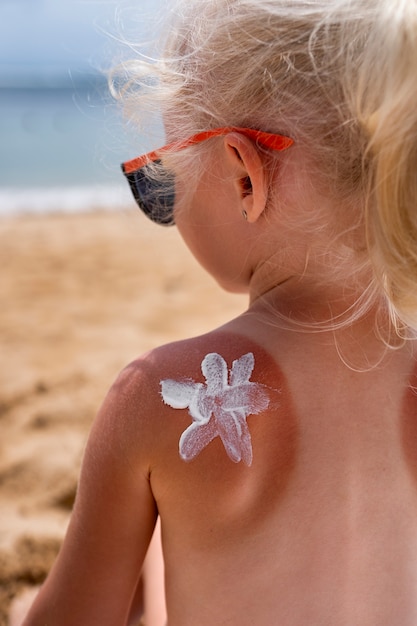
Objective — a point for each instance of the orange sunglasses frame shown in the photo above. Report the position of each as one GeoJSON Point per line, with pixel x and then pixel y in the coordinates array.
{"type": "Point", "coordinates": [266, 140]}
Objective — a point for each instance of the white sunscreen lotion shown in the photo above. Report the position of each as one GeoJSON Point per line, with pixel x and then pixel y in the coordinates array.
{"type": "Point", "coordinates": [219, 407]}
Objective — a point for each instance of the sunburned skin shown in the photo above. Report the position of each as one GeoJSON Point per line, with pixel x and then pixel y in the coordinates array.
{"type": "Point", "coordinates": [218, 408]}
{"type": "Point", "coordinates": [409, 425]}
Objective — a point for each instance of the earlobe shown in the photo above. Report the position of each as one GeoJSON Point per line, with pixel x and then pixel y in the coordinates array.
{"type": "Point", "coordinates": [249, 174]}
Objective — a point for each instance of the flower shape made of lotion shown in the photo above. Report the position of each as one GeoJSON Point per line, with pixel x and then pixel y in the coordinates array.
{"type": "Point", "coordinates": [219, 408]}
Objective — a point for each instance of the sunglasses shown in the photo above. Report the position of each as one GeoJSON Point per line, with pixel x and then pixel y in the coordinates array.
{"type": "Point", "coordinates": [153, 186]}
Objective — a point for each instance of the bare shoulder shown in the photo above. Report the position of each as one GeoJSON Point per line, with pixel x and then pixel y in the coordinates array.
{"type": "Point", "coordinates": [173, 375]}
{"type": "Point", "coordinates": [142, 379]}
{"type": "Point", "coordinates": [183, 359]}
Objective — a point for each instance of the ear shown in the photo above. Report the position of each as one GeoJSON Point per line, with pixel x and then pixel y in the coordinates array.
{"type": "Point", "coordinates": [249, 174]}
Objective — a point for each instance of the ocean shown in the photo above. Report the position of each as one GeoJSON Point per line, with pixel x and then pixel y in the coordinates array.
{"type": "Point", "coordinates": [61, 147]}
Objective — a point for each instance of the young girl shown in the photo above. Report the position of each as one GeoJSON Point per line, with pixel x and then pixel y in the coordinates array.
{"type": "Point", "coordinates": [279, 451]}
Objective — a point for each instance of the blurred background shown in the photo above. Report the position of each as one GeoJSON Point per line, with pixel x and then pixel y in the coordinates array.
{"type": "Point", "coordinates": [87, 283]}
{"type": "Point", "coordinates": [61, 136]}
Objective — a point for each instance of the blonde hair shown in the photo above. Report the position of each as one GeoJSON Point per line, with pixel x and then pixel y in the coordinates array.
{"type": "Point", "coordinates": [338, 76]}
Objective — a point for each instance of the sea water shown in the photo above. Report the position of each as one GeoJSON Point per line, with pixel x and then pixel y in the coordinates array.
{"type": "Point", "coordinates": [61, 147]}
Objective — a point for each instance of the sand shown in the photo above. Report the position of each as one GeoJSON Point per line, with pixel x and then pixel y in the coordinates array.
{"type": "Point", "coordinates": [82, 295]}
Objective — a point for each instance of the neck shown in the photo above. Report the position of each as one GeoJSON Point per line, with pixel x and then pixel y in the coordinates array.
{"type": "Point", "coordinates": [351, 315]}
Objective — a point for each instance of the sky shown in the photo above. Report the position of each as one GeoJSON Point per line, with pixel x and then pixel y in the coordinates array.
{"type": "Point", "coordinates": [54, 37]}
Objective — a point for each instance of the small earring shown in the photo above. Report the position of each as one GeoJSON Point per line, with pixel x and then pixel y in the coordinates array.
{"type": "Point", "coordinates": [245, 215]}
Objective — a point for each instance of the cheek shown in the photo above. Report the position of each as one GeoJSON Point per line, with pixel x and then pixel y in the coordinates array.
{"type": "Point", "coordinates": [226, 262]}
{"type": "Point", "coordinates": [214, 230]}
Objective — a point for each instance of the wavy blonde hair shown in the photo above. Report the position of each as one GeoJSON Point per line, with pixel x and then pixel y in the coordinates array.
{"type": "Point", "coordinates": [338, 76]}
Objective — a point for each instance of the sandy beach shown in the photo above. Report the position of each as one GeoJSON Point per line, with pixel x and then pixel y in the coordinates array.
{"type": "Point", "coordinates": [82, 295]}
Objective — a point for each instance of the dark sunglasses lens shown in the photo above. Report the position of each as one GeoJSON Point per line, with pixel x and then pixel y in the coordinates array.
{"type": "Point", "coordinates": [155, 197]}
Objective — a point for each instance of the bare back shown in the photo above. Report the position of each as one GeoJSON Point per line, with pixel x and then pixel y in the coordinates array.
{"type": "Point", "coordinates": [285, 483]}
{"type": "Point", "coordinates": [321, 528]}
